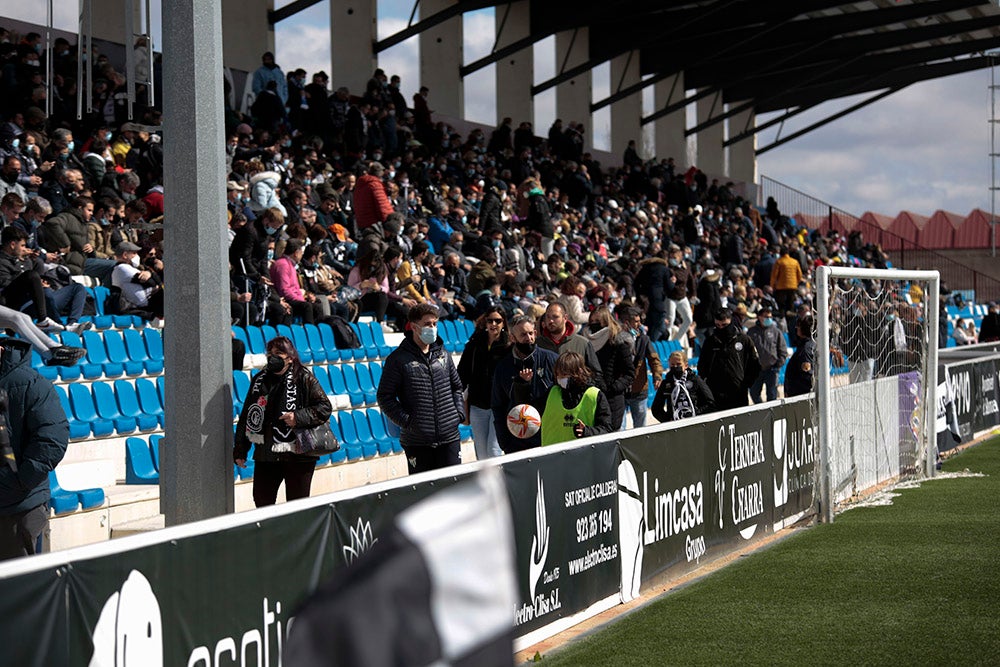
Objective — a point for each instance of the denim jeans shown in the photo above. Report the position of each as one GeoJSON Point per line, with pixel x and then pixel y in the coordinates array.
{"type": "Point", "coordinates": [484, 436]}
{"type": "Point", "coordinates": [682, 306]}
{"type": "Point", "coordinates": [637, 406]}
{"type": "Point", "coordinates": [767, 379]}
{"type": "Point", "coordinates": [71, 297]}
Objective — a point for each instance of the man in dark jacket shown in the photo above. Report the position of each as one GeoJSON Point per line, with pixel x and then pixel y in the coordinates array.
{"type": "Point", "coordinates": [799, 374]}
{"type": "Point", "coordinates": [653, 282]}
{"type": "Point", "coordinates": [559, 335]}
{"type": "Point", "coordinates": [989, 330]}
{"type": "Point", "coordinates": [420, 392]}
{"type": "Point", "coordinates": [38, 435]}
{"type": "Point", "coordinates": [524, 375]}
{"type": "Point", "coordinates": [771, 351]}
{"type": "Point", "coordinates": [643, 354]}
{"type": "Point", "coordinates": [728, 362]}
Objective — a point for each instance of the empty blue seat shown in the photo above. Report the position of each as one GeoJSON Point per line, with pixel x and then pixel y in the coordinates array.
{"type": "Point", "coordinates": [62, 502]}
{"type": "Point", "coordinates": [82, 402]}
{"type": "Point", "coordinates": [78, 430]}
{"type": "Point", "coordinates": [240, 334]}
{"type": "Point", "coordinates": [352, 383]}
{"type": "Point", "coordinates": [379, 337]}
{"type": "Point", "coordinates": [268, 332]}
{"type": "Point", "coordinates": [349, 440]}
{"type": "Point", "coordinates": [154, 343]}
{"type": "Point", "coordinates": [135, 344]}
{"type": "Point", "coordinates": [155, 441]}
{"type": "Point", "coordinates": [366, 383]}
{"type": "Point", "coordinates": [368, 344]}
{"type": "Point", "coordinates": [101, 320]}
{"type": "Point", "coordinates": [50, 373]}
{"type": "Point", "coordinates": [330, 344]}
{"type": "Point", "coordinates": [338, 382]}
{"type": "Point", "coordinates": [107, 408]}
{"type": "Point", "coordinates": [128, 403]}
{"type": "Point", "coordinates": [139, 468]}
{"type": "Point", "coordinates": [369, 446]}
{"type": "Point", "coordinates": [90, 498]}
{"type": "Point", "coordinates": [446, 330]}
{"type": "Point", "coordinates": [386, 443]}
{"type": "Point", "coordinates": [255, 341]}
{"type": "Point", "coordinates": [149, 399]}
{"type": "Point", "coordinates": [301, 341]}
{"type": "Point", "coordinates": [315, 341]}
{"type": "Point", "coordinates": [323, 377]}
{"type": "Point", "coordinates": [358, 353]}
{"type": "Point", "coordinates": [241, 386]}
{"type": "Point", "coordinates": [118, 354]}
{"type": "Point", "coordinates": [97, 353]}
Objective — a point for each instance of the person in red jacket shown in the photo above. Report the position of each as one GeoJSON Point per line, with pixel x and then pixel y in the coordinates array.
{"type": "Point", "coordinates": [371, 205]}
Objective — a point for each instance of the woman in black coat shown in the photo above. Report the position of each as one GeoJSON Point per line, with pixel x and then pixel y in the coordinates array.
{"type": "Point", "coordinates": [284, 396]}
{"type": "Point", "coordinates": [614, 351]}
{"type": "Point", "coordinates": [487, 346]}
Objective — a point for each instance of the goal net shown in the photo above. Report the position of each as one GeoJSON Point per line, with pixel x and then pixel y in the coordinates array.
{"type": "Point", "coordinates": [875, 378]}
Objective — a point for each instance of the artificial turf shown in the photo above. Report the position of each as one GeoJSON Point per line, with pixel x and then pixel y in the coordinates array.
{"type": "Point", "coordinates": [913, 583]}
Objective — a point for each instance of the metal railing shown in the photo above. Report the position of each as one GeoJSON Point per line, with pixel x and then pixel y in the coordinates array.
{"type": "Point", "coordinates": [904, 253]}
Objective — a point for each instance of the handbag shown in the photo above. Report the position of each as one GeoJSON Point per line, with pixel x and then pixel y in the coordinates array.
{"type": "Point", "coordinates": [316, 441]}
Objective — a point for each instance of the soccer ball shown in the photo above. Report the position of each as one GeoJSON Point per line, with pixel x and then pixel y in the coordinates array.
{"type": "Point", "coordinates": [523, 421]}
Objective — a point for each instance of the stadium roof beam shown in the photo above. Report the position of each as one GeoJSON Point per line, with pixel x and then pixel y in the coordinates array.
{"type": "Point", "coordinates": [499, 54]}
{"type": "Point", "coordinates": [415, 29]}
{"type": "Point", "coordinates": [824, 28]}
{"type": "Point", "coordinates": [289, 10]}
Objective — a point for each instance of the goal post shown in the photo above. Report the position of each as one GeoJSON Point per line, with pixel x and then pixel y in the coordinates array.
{"type": "Point", "coordinates": [875, 407]}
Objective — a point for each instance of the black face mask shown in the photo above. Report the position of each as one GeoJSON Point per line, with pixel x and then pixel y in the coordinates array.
{"type": "Point", "coordinates": [595, 327]}
{"type": "Point", "coordinates": [676, 373]}
{"type": "Point", "coordinates": [525, 348]}
{"type": "Point", "coordinates": [274, 364]}
{"type": "Point", "coordinates": [9, 176]}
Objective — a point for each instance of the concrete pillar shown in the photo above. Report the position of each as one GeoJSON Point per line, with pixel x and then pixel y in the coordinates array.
{"type": "Point", "coordinates": [669, 130]}
{"type": "Point", "coordinates": [742, 155]}
{"type": "Point", "coordinates": [196, 474]}
{"type": "Point", "coordinates": [247, 34]}
{"type": "Point", "coordinates": [626, 114]}
{"type": "Point", "coordinates": [352, 34]}
{"type": "Point", "coordinates": [515, 72]}
{"type": "Point", "coordinates": [573, 97]}
{"type": "Point", "coordinates": [711, 156]}
{"type": "Point", "coordinates": [440, 58]}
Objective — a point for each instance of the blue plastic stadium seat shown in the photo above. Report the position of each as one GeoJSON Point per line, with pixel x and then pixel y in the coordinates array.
{"type": "Point", "coordinates": [349, 440]}
{"type": "Point", "coordinates": [315, 342]}
{"type": "Point", "coordinates": [149, 399]}
{"type": "Point", "coordinates": [366, 383]}
{"type": "Point", "coordinates": [135, 344]}
{"type": "Point", "coordinates": [353, 383]}
{"type": "Point", "coordinates": [340, 384]}
{"type": "Point", "coordinates": [301, 341]}
{"type": "Point", "coordinates": [379, 337]}
{"type": "Point", "coordinates": [446, 330]}
{"type": "Point", "coordinates": [78, 430]}
{"type": "Point", "coordinates": [61, 502]}
{"type": "Point", "coordinates": [357, 353]}
{"type": "Point", "coordinates": [128, 403]}
{"type": "Point", "coordinates": [386, 443]}
{"type": "Point", "coordinates": [139, 468]}
{"type": "Point", "coordinates": [50, 373]}
{"type": "Point", "coordinates": [268, 332]}
{"type": "Point", "coordinates": [107, 408]}
{"type": "Point", "coordinates": [118, 354]}
{"type": "Point", "coordinates": [369, 445]}
{"type": "Point", "coordinates": [97, 353]}
{"type": "Point", "coordinates": [255, 340]}
{"type": "Point", "coordinates": [154, 343]}
{"type": "Point", "coordinates": [90, 498]}
{"type": "Point", "coordinates": [376, 370]}
{"type": "Point", "coordinates": [371, 349]}
{"type": "Point", "coordinates": [241, 386]}
{"type": "Point", "coordinates": [82, 402]}
{"type": "Point", "coordinates": [330, 344]}
{"type": "Point", "coordinates": [323, 377]}
{"type": "Point", "coordinates": [86, 368]}
{"type": "Point", "coordinates": [155, 441]}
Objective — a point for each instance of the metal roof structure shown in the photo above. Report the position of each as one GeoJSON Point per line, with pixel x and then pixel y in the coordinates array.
{"type": "Point", "coordinates": [786, 56]}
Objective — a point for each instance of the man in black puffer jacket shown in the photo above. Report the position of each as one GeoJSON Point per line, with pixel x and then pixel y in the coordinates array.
{"type": "Point", "coordinates": [38, 433]}
{"type": "Point", "coordinates": [420, 392]}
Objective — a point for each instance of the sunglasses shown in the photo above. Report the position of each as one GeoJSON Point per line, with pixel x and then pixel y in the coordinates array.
{"type": "Point", "coordinates": [494, 321]}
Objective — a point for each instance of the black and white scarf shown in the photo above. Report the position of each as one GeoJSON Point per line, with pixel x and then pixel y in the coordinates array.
{"type": "Point", "coordinates": [680, 399]}
{"type": "Point", "coordinates": [282, 396]}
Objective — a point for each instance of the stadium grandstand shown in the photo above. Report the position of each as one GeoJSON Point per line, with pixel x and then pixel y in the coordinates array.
{"type": "Point", "coordinates": [465, 216]}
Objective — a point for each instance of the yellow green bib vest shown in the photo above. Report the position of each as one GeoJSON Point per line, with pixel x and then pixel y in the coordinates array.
{"type": "Point", "coordinates": [557, 421]}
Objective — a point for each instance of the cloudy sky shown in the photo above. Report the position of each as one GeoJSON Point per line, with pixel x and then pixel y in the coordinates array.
{"type": "Point", "coordinates": [922, 149]}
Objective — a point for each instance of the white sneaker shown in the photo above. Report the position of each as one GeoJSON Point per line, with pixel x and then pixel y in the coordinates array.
{"type": "Point", "coordinates": [48, 324]}
{"type": "Point", "coordinates": [156, 323]}
{"type": "Point", "coordinates": [79, 327]}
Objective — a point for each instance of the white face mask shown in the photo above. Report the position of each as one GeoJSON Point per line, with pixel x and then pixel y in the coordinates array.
{"type": "Point", "coordinates": [563, 382]}
{"type": "Point", "coordinates": [134, 261]}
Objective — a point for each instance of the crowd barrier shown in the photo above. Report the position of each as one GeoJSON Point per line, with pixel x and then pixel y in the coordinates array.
{"type": "Point", "coordinates": [593, 521]}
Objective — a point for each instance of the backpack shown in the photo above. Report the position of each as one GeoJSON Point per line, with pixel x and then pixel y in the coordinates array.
{"type": "Point", "coordinates": [344, 336]}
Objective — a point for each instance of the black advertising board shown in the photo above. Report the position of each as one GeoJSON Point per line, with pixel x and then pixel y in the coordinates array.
{"type": "Point", "coordinates": [706, 489]}
{"type": "Point", "coordinates": [566, 532]}
{"type": "Point", "coordinates": [986, 380]}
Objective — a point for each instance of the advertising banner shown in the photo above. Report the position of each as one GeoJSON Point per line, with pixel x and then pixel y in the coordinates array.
{"type": "Point", "coordinates": [987, 388]}
{"type": "Point", "coordinates": [706, 489]}
{"type": "Point", "coordinates": [566, 532]}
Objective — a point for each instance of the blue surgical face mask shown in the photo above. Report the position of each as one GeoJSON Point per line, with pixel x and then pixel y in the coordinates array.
{"type": "Point", "coordinates": [70, 146]}
{"type": "Point", "coordinates": [14, 144]}
{"type": "Point", "coordinates": [270, 231]}
{"type": "Point", "coordinates": [428, 334]}
{"type": "Point", "coordinates": [889, 317]}
{"type": "Point", "coordinates": [767, 321]}
{"type": "Point", "coordinates": [307, 181]}
{"type": "Point", "coordinates": [107, 136]}
{"type": "Point", "coordinates": [529, 295]}
{"type": "Point", "coordinates": [496, 243]}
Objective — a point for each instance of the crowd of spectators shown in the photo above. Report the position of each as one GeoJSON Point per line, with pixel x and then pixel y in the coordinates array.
{"type": "Point", "coordinates": [346, 202]}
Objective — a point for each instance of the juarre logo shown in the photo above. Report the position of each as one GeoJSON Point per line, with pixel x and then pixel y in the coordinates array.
{"type": "Point", "coordinates": [793, 460]}
{"type": "Point", "coordinates": [541, 603]}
